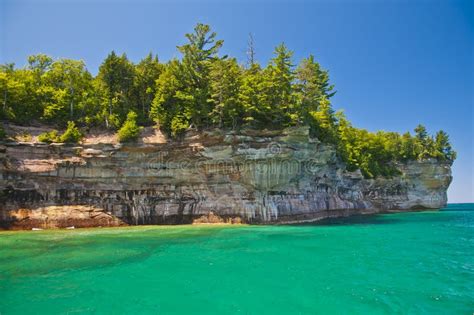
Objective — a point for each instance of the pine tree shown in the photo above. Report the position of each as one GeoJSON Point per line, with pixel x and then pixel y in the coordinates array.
{"type": "Point", "coordinates": [198, 56]}
{"type": "Point", "coordinates": [324, 122]}
{"type": "Point", "coordinates": [424, 143]}
{"type": "Point", "coordinates": [168, 101]}
{"type": "Point", "coordinates": [147, 71]}
{"type": "Point", "coordinates": [408, 149]}
{"type": "Point", "coordinates": [278, 89]}
{"type": "Point", "coordinates": [116, 75]}
{"type": "Point", "coordinates": [311, 86]}
{"type": "Point", "coordinates": [225, 77]}
{"type": "Point", "coordinates": [444, 150]}
{"type": "Point", "coordinates": [250, 96]}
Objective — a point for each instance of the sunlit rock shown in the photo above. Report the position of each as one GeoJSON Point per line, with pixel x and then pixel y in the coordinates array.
{"type": "Point", "coordinates": [255, 177]}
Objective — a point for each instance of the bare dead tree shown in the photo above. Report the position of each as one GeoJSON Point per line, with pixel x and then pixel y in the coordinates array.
{"type": "Point", "coordinates": [250, 51]}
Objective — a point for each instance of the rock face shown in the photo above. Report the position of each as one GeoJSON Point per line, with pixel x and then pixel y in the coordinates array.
{"type": "Point", "coordinates": [254, 177]}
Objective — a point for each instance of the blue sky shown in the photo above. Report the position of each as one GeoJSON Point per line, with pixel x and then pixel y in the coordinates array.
{"type": "Point", "coordinates": [394, 63]}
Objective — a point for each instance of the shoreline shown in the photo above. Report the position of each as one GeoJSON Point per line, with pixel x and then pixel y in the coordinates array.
{"type": "Point", "coordinates": [130, 227]}
{"type": "Point", "coordinates": [223, 224]}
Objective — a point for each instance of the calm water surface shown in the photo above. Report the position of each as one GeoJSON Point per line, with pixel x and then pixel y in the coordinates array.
{"type": "Point", "coordinates": [407, 263]}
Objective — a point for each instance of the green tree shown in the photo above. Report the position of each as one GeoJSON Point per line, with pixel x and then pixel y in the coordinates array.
{"type": "Point", "coordinates": [147, 71]}
{"type": "Point", "coordinates": [20, 87]}
{"type": "Point", "coordinates": [168, 101]}
{"type": "Point", "coordinates": [251, 95]}
{"type": "Point", "coordinates": [116, 75]}
{"type": "Point", "coordinates": [324, 122]}
{"type": "Point", "coordinates": [39, 64]}
{"type": "Point", "coordinates": [424, 143]}
{"type": "Point", "coordinates": [278, 101]}
{"type": "Point", "coordinates": [71, 84]}
{"type": "Point", "coordinates": [421, 134]}
{"type": "Point", "coordinates": [375, 154]}
{"type": "Point", "coordinates": [129, 130]}
{"type": "Point", "coordinates": [345, 145]}
{"type": "Point", "coordinates": [408, 150]}
{"type": "Point", "coordinates": [198, 55]}
{"type": "Point", "coordinates": [8, 85]}
{"type": "Point", "coordinates": [72, 134]}
{"type": "Point", "coordinates": [225, 77]}
{"type": "Point", "coordinates": [26, 91]}
{"type": "Point", "coordinates": [444, 150]}
{"type": "Point", "coordinates": [40, 93]}
{"type": "Point", "coordinates": [49, 137]}
{"type": "Point", "coordinates": [311, 86]}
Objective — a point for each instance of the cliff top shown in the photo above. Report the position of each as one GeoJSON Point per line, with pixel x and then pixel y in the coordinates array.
{"type": "Point", "coordinates": [29, 134]}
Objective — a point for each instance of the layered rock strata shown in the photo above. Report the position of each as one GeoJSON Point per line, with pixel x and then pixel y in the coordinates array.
{"type": "Point", "coordinates": [256, 177]}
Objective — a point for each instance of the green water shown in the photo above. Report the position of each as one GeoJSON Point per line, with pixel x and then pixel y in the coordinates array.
{"type": "Point", "coordinates": [407, 263]}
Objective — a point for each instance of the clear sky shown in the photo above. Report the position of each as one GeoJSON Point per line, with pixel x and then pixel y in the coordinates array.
{"type": "Point", "coordinates": [394, 63]}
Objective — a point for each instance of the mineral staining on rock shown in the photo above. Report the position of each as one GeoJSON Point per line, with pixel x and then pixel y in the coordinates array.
{"type": "Point", "coordinates": [253, 177]}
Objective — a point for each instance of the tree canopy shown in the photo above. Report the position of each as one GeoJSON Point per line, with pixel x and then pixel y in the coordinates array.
{"type": "Point", "coordinates": [203, 89]}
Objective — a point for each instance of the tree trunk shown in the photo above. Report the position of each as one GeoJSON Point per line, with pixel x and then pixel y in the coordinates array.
{"type": "Point", "coordinates": [5, 100]}
{"type": "Point", "coordinates": [110, 113]}
{"type": "Point", "coordinates": [72, 104]}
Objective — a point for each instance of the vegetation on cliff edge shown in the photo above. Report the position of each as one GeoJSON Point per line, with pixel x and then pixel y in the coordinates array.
{"type": "Point", "coordinates": [202, 90]}
{"type": "Point", "coordinates": [71, 135]}
{"type": "Point", "coordinates": [130, 130]}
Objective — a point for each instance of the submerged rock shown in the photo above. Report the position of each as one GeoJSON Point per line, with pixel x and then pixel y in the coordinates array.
{"type": "Point", "coordinates": [267, 177]}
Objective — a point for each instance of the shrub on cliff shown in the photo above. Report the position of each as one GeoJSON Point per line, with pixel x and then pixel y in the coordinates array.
{"type": "Point", "coordinates": [49, 137]}
{"type": "Point", "coordinates": [130, 130]}
{"type": "Point", "coordinates": [72, 134]}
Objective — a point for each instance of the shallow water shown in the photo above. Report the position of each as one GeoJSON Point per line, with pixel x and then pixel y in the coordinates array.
{"type": "Point", "coordinates": [410, 263]}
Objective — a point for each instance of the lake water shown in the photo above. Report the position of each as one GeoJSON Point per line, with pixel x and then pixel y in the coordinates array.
{"type": "Point", "coordinates": [410, 263]}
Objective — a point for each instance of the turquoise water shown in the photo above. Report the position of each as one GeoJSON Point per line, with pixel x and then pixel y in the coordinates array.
{"type": "Point", "coordinates": [406, 263]}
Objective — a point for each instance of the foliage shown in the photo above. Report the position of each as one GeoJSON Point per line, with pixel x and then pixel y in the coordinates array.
{"type": "Point", "coordinates": [278, 86]}
{"type": "Point", "coordinates": [147, 71]}
{"type": "Point", "coordinates": [198, 56]}
{"type": "Point", "coordinates": [168, 101]}
{"type": "Point", "coordinates": [250, 95]}
{"type": "Point", "coordinates": [376, 154]}
{"type": "Point", "coordinates": [225, 76]}
{"type": "Point", "coordinates": [443, 148]}
{"type": "Point", "coordinates": [129, 130]}
{"type": "Point", "coordinates": [323, 124]}
{"type": "Point", "coordinates": [72, 134]}
{"type": "Point", "coordinates": [311, 87]}
{"type": "Point", "coordinates": [49, 137]}
{"type": "Point", "coordinates": [68, 80]}
{"type": "Point", "coordinates": [116, 77]}
{"type": "Point", "coordinates": [203, 90]}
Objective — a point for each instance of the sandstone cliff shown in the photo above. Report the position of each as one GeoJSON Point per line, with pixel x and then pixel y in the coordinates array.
{"type": "Point", "coordinates": [253, 177]}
